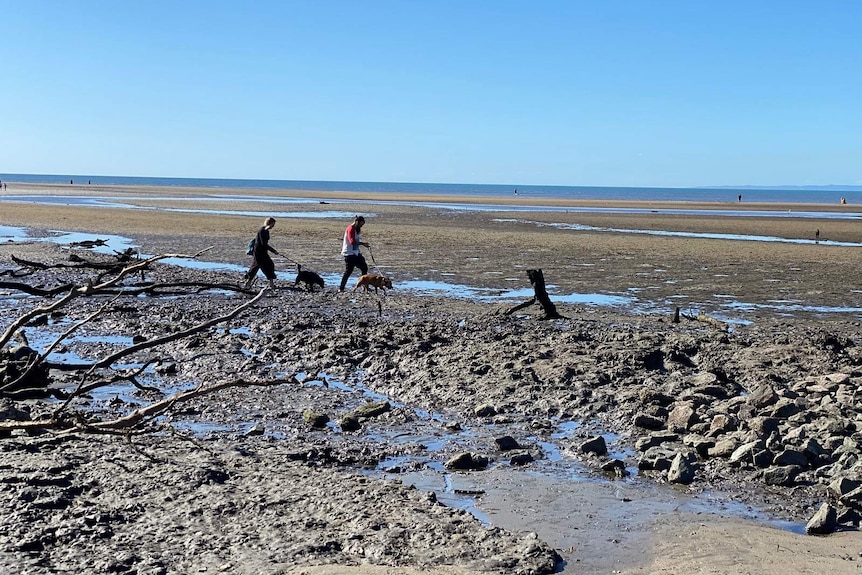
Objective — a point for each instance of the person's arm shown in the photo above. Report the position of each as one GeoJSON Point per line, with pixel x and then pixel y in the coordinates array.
{"type": "Point", "coordinates": [351, 236]}
{"type": "Point", "coordinates": [263, 239]}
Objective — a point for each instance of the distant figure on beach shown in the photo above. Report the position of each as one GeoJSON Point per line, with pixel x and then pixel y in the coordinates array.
{"type": "Point", "coordinates": [261, 260]}
{"type": "Point", "coordinates": [89, 182]}
{"type": "Point", "coordinates": [71, 182]}
{"type": "Point", "coordinates": [817, 236]}
{"type": "Point", "coordinates": [516, 191]}
{"type": "Point", "coordinates": [843, 201]}
{"type": "Point", "coordinates": [353, 258]}
{"type": "Point", "coordinates": [739, 198]}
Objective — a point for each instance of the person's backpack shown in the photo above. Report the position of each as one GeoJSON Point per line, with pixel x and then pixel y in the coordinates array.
{"type": "Point", "coordinates": [249, 249]}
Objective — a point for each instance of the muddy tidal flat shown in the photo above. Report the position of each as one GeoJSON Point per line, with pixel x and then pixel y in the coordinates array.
{"type": "Point", "coordinates": [433, 428]}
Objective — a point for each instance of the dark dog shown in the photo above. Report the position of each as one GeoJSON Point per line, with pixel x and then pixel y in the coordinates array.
{"type": "Point", "coordinates": [373, 281]}
{"type": "Point", "coordinates": [310, 279]}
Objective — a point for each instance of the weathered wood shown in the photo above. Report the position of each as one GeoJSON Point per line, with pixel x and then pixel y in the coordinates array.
{"type": "Point", "coordinates": [702, 317]}
{"type": "Point", "coordinates": [537, 279]}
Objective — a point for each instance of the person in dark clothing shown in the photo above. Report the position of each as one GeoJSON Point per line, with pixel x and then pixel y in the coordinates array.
{"type": "Point", "coordinates": [353, 258]}
{"type": "Point", "coordinates": [261, 260]}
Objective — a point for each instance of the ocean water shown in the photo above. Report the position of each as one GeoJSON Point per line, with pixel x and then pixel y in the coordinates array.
{"type": "Point", "coordinates": [783, 195]}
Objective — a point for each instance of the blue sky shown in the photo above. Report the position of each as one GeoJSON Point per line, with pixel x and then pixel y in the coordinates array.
{"type": "Point", "coordinates": [592, 93]}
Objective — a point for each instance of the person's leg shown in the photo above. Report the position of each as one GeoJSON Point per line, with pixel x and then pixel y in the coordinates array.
{"type": "Point", "coordinates": [268, 268]}
{"type": "Point", "coordinates": [348, 269]}
{"type": "Point", "coordinates": [362, 264]}
{"type": "Point", "coordinates": [250, 276]}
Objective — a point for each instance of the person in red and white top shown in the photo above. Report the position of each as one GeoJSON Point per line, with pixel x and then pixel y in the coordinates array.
{"type": "Point", "coordinates": [353, 258]}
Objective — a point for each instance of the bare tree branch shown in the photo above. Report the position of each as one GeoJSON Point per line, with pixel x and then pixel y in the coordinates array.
{"type": "Point", "coordinates": [107, 361]}
{"type": "Point", "coordinates": [139, 416]}
{"type": "Point", "coordinates": [41, 358]}
{"type": "Point", "coordinates": [24, 319]}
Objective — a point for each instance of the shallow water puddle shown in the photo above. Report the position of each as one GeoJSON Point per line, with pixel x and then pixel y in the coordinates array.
{"type": "Point", "coordinates": [434, 438]}
{"type": "Point", "coordinates": [705, 235]}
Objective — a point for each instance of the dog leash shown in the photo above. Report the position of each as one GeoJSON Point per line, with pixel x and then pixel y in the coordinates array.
{"type": "Point", "coordinates": [288, 259]}
{"type": "Point", "coordinates": [299, 265]}
{"type": "Point", "coordinates": [376, 267]}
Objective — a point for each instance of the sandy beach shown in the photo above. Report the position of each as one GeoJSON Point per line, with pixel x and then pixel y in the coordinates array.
{"type": "Point", "coordinates": [236, 502]}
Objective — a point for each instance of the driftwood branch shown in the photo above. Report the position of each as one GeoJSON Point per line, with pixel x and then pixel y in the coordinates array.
{"type": "Point", "coordinates": [24, 319]}
{"type": "Point", "coordinates": [138, 417]}
{"type": "Point", "coordinates": [40, 359]}
{"type": "Point", "coordinates": [143, 414]}
{"type": "Point", "coordinates": [90, 289]}
{"type": "Point", "coordinates": [107, 361]}
{"type": "Point", "coordinates": [131, 377]}
{"type": "Point", "coordinates": [33, 290]}
{"type": "Point", "coordinates": [110, 359]}
{"type": "Point", "coordinates": [703, 318]}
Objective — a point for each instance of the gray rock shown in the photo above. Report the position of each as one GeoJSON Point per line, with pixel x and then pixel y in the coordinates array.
{"type": "Point", "coordinates": [682, 417]}
{"type": "Point", "coordinates": [616, 467]}
{"type": "Point", "coordinates": [372, 409]}
{"type": "Point", "coordinates": [823, 522]}
{"type": "Point", "coordinates": [853, 498]}
{"type": "Point", "coordinates": [646, 421]}
{"type": "Point", "coordinates": [656, 459]}
{"type": "Point", "coordinates": [681, 470]}
{"type": "Point", "coordinates": [850, 517]}
{"type": "Point", "coordinates": [467, 461]}
{"type": "Point", "coordinates": [745, 452]}
{"type": "Point", "coordinates": [723, 422]}
{"type": "Point", "coordinates": [781, 475]}
{"type": "Point", "coordinates": [703, 379]}
{"type": "Point", "coordinates": [763, 458]}
{"type": "Point", "coordinates": [842, 486]}
{"type": "Point", "coordinates": [655, 439]}
{"type": "Point", "coordinates": [723, 448]}
{"type": "Point", "coordinates": [594, 445]}
{"type": "Point", "coordinates": [521, 459]}
{"type": "Point", "coordinates": [485, 410]}
{"type": "Point", "coordinates": [699, 443]}
{"type": "Point", "coordinates": [763, 396]}
{"type": "Point", "coordinates": [315, 419]}
{"type": "Point", "coordinates": [349, 422]}
{"type": "Point", "coordinates": [791, 457]}
{"type": "Point", "coordinates": [506, 443]}
{"type": "Point", "coordinates": [784, 408]}
{"type": "Point", "coordinates": [763, 426]}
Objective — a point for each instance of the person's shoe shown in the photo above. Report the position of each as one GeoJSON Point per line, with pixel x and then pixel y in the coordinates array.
{"type": "Point", "coordinates": [249, 282]}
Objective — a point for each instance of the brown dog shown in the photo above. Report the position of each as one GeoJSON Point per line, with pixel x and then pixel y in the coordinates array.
{"type": "Point", "coordinates": [373, 281]}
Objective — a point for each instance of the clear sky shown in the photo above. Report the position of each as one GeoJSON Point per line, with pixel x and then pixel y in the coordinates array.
{"type": "Point", "coordinates": [569, 92]}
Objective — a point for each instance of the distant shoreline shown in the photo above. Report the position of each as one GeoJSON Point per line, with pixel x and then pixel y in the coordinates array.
{"type": "Point", "coordinates": [786, 195]}
{"type": "Point", "coordinates": [178, 192]}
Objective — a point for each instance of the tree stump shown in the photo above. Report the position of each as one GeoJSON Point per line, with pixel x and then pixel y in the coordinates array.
{"type": "Point", "coordinates": [537, 280]}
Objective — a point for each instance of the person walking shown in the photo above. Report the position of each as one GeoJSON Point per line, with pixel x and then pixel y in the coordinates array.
{"type": "Point", "coordinates": [353, 258]}
{"type": "Point", "coordinates": [261, 260]}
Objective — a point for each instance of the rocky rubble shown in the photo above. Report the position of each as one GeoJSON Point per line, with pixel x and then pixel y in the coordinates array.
{"type": "Point", "coordinates": [770, 408]}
